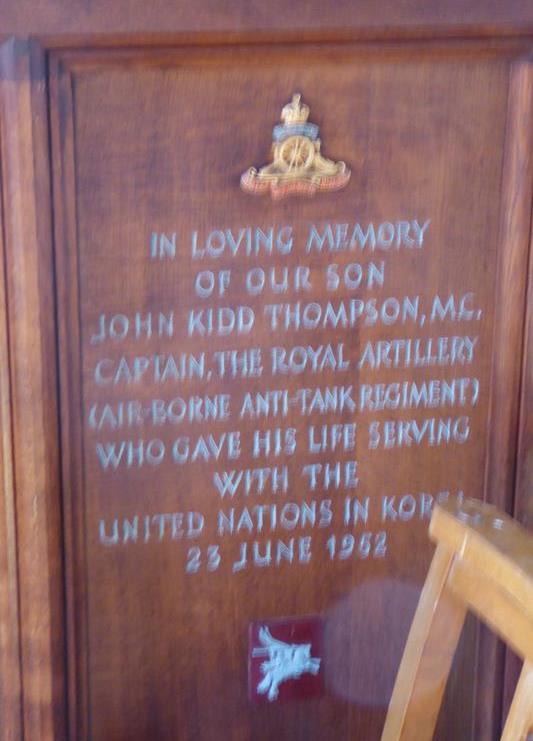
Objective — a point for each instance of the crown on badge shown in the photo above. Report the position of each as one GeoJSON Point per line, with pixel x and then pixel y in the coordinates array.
{"type": "Point", "coordinates": [294, 112]}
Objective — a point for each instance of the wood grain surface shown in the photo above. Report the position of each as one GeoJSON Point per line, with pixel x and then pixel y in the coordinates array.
{"type": "Point", "coordinates": [32, 436]}
{"type": "Point", "coordinates": [139, 619]}
{"type": "Point", "coordinates": [483, 563]}
{"type": "Point", "coordinates": [61, 19]}
{"type": "Point", "coordinates": [120, 128]}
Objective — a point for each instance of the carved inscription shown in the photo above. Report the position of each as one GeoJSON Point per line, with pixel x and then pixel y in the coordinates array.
{"type": "Point", "coordinates": [288, 367]}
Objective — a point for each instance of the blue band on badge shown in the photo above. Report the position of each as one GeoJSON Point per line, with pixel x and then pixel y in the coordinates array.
{"type": "Point", "coordinates": [283, 131]}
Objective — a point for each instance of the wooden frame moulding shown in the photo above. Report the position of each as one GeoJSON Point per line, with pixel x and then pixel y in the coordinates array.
{"type": "Point", "coordinates": [31, 440]}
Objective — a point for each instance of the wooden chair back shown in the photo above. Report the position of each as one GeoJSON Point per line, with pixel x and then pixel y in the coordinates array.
{"type": "Point", "coordinates": [483, 563]}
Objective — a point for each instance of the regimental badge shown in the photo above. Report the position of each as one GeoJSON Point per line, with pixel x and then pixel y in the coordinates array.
{"type": "Point", "coordinates": [286, 665]}
{"type": "Point", "coordinates": [298, 167]}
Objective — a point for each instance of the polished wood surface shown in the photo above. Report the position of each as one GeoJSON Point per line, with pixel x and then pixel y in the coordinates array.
{"type": "Point", "coordinates": [228, 91]}
{"type": "Point", "coordinates": [118, 124]}
{"type": "Point", "coordinates": [65, 21]}
{"type": "Point", "coordinates": [31, 439]}
{"type": "Point", "coordinates": [483, 563]}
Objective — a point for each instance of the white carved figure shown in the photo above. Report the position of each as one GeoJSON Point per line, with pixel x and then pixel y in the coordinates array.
{"type": "Point", "coordinates": [285, 661]}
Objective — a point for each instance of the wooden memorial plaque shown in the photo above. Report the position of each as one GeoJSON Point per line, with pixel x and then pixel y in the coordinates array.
{"type": "Point", "coordinates": [265, 377]}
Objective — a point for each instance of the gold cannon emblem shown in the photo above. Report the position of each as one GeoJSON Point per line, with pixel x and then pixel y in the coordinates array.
{"type": "Point", "coordinates": [298, 167]}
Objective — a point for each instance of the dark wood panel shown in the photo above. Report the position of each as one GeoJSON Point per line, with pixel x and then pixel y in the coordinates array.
{"type": "Point", "coordinates": [158, 144]}
{"type": "Point", "coordinates": [134, 16]}
{"type": "Point", "coordinates": [521, 475]}
{"type": "Point", "coordinates": [30, 434]}
{"type": "Point", "coordinates": [509, 456]}
{"type": "Point", "coordinates": [10, 683]}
